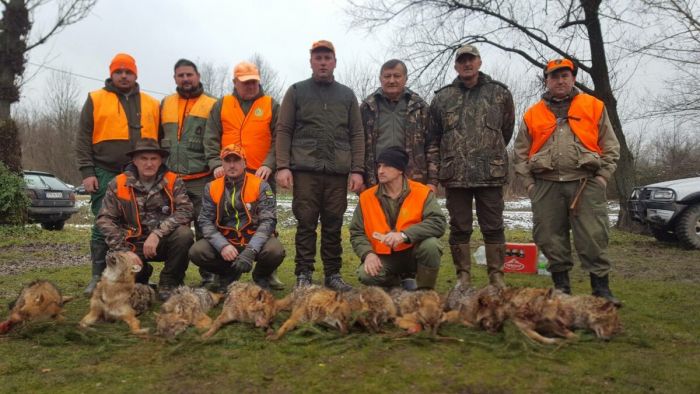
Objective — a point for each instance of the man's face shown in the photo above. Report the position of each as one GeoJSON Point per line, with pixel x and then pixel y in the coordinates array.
{"type": "Point", "coordinates": [124, 79]}
{"type": "Point", "coordinates": [186, 78]}
{"type": "Point", "coordinates": [393, 81]}
{"type": "Point", "coordinates": [248, 89]}
{"type": "Point", "coordinates": [322, 64]}
{"type": "Point", "coordinates": [560, 82]}
{"type": "Point", "coordinates": [386, 174]}
{"type": "Point", "coordinates": [147, 163]}
{"type": "Point", "coordinates": [233, 166]}
{"type": "Point", "coordinates": [467, 66]}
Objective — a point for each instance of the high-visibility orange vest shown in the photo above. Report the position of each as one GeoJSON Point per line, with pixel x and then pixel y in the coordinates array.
{"type": "Point", "coordinates": [130, 208]}
{"type": "Point", "coordinates": [109, 118]}
{"type": "Point", "coordinates": [251, 131]}
{"type": "Point", "coordinates": [173, 113]}
{"type": "Point", "coordinates": [238, 235]}
{"type": "Point", "coordinates": [584, 115]}
{"type": "Point", "coordinates": [410, 213]}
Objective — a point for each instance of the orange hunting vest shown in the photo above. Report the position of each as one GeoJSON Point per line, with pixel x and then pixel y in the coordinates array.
{"type": "Point", "coordinates": [109, 118]}
{"type": "Point", "coordinates": [173, 111]}
{"type": "Point", "coordinates": [584, 115]}
{"type": "Point", "coordinates": [410, 213]}
{"type": "Point", "coordinates": [251, 192]}
{"type": "Point", "coordinates": [251, 131]}
{"type": "Point", "coordinates": [130, 208]}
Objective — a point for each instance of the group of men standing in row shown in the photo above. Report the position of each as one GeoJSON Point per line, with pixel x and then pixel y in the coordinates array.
{"type": "Point", "coordinates": [219, 162]}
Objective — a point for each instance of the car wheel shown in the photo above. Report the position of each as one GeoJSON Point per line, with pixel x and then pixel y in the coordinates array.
{"type": "Point", "coordinates": [53, 226]}
{"type": "Point", "coordinates": [664, 235]}
{"type": "Point", "coordinates": [688, 227]}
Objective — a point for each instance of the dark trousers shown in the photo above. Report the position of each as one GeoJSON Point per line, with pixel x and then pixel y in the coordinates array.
{"type": "Point", "coordinates": [489, 213]}
{"type": "Point", "coordinates": [172, 250]}
{"type": "Point", "coordinates": [195, 189]}
{"type": "Point", "coordinates": [208, 258]}
{"type": "Point", "coordinates": [318, 195]}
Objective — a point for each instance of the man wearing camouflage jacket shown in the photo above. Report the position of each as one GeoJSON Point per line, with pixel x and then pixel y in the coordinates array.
{"type": "Point", "coordinates": [471, 122]}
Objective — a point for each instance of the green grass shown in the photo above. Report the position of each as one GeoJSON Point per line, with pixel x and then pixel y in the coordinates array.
{"type": "Point", "coordinates": [658, 351]}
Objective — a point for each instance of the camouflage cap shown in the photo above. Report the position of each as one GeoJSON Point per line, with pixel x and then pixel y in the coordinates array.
{"type": "Point", "coordinates": [467, 50]}
{"type": "Point", "coordinates": [232, 149]}
{"type": "Point", "coordinates": [322, 44]}
{"type": "Point", "coordinates": [556, 64]}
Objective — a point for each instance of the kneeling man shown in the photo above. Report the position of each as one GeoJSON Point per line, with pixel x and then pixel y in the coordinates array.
{"type": "Point", "coordinates": [146, 210]}
{"type": "Point", "coordinates": [238, 220]}
{"type": "Point", "coordinates": [395, 228]}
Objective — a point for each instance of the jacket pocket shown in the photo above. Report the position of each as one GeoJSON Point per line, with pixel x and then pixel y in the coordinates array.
{"type": "Point", "coordinates": [587, 160]}
{"type": "Point", "coordinates": [541, 162]}
{"type": "Point", "coordinates": [343, 157]}
{"type": "Point", "coordinates": [303, 154]}
{"type": "Point", "coordinates": [497, 168]}
{"type": "Point", "coordinates": [447, 169]}
{"type": "Point", "coordinates": [195, 141]}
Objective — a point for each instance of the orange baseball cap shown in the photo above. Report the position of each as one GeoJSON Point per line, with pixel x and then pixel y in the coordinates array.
{"type": "Point", "coordinates": [123, 61]}
{"type": "Point", "coordinates": [556, 64]}
{"type": "Point", "coordinates": [246, 71]}
{"type": "Point", "coordinates": [322, 44]}
{"type": "Point", "coordinates": [232, 149]}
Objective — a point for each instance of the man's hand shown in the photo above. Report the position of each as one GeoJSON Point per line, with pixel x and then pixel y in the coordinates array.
{"type": "Point", "coordinates": [91, 185]}
{"type": "Point", "coordinates": [218, 172]}
{"type": "Point", "coordinates": [284, 178]}
{"type": "Point", "coordinates": [356, 183]}
{"type": "Point", "coordinates": [602, 181]}
{"type": "Point", "coordinates": [150, 246]}
{"type": "Point", "coordinates": [373, 265]}
{"type": "Point", "coordinates": [433, 188]}
{"type": "Point", "coordinates": [393, 239]}
{"type": "Point", "coordinates": [244, 261]}
{"type": "Point", "coordinates": [229, 253]}
{"type": "Point", "coordinates": [263, 172]}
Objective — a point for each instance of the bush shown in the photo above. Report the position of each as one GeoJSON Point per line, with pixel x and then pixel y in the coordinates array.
{"type": "Point", "coordinates": [13, 197]}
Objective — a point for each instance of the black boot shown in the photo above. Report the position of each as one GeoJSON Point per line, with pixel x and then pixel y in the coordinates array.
{"type": "Point", "coordinates": [209, 279]}
{"type": "Point", "coordinates": [98, 253]}
{"type": "Point", "coordinates": [145, 274]}
{"type": "Point", "coordinates": [561, 281]}
{"type": "Point", "coordinates": [336, 282]}
{"type": "Point", "coordinates": [600, 287]}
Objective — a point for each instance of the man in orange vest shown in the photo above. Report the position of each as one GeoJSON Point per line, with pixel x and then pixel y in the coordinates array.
{"type": "Point", "coordinates": [183, 122]}
{"type": "Point", "coordinates": [247, 118]}
{"type": "Point", "coordinates": [113, 119]}
{"type": "Point", "coordinates": [396, 227]}
{"type": "Point", "coordinates": [238, 220]}
{"type": "Point", "coordinates": [146, 210]}
{"type": "Point", "coordinates": [566, 152]}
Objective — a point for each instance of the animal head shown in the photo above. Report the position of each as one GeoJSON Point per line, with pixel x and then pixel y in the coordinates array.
{"type": "Point", "coordinates": [169, 325]}
{"type": "Point", "coordinates": [339, 313]}
{"type": "Point", "coordinates": [429, 311]}
{"type": "Point", "coordinates": [605, 321]}
{"type": "Point", "coordinates": [122, 266]}
{"type": "Point", "coordinates": [492, 311]}
{"type": "Point", "coordinates": [39, 299]}
{"type": "Point", "coordinates": [263, 307]}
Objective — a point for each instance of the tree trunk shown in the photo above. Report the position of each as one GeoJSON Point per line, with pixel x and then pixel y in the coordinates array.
{"type": "Point", "coordinates": [624, 175]}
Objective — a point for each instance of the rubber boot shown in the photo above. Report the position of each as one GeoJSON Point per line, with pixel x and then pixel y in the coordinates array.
{"type": "Point", "coordinates": [462, 259]}
{"type": "Point", "coordinates": [426, 276]}
{"type": "Point", "coordinates": [98, 255]}
{"type": "Point", "coordinates": [561, 281]}
{"type": "Point", "coordinates": [495, 257]}
{"type": "Point", "coordinates": [601, 288]}
{"type": "Point", "coordinates": [274, 281]}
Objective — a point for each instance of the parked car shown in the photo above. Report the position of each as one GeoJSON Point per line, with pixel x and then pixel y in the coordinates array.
{"type": "Point", "coordinates": [671, 210]}
{"type": "Point", "coordinates": [52, 201]}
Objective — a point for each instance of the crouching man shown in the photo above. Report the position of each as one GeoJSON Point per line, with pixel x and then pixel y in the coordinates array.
{"type": "Point", "coordinates": [146, 210]}
{"type": "Point", "coordinates": [395, 228]}
{"type": "Point", "coordinates": [238, 220]}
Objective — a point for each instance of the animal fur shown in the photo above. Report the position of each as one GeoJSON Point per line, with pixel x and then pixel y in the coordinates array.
{"type": "Point", "coordinates": [248, 303]}
{"type": "Point", "coordinates": [111, 299]}
{"type": "Point", "coordinates": [142, 297]}
{"type": "Point", "coordinates": [371, 306]}
{"type": "Point", "coordinates": [315, 304]}
{"type": "Point", "coordinates": [418, 310]}
{"type": "Point", "coordinates": [40, 300]}
{"type": "Point", "coordinates": [475, 308]}
{"type": "Point", "coordinates": [185, 307]}
{"type": "Point", "coordinates": [590, 313]}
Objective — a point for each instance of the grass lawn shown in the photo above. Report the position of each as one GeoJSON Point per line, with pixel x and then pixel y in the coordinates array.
{"type": "Point", "coordinates": [658, 351]}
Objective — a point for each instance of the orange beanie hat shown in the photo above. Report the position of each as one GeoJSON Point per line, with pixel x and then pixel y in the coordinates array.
{"type": "Point", "coordinates": [122, 60]}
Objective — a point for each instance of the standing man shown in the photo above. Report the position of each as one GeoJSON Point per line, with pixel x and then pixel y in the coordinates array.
{"type": "Point", "coordinates": [113, 119]}
{"type": "Point", "coordinates": [238, 220]}
{"type": "Point", "coordinates": [146, 210]}
{"type": "Point", "coordinates": [319, 142]}
{"type": "Point", "coordinates": [246, 118]}
{"type": "Point", "coordinates": [471, 122]}
{"type": "Point", "coordinates": [566, 152]}
{"type": "Point", "coordinates": [183, 121]}
{"type": "Point", "coordinates": [395, 115]}
{"type": "Point", "coordinates": [396, 228]}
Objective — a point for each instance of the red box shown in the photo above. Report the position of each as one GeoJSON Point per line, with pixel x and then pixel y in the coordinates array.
{"type": "Point", "coordinates": [520, 258]}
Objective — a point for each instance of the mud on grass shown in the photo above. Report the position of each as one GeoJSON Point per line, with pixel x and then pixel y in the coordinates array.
{"type": "Point", "coordinates": [659, 349]}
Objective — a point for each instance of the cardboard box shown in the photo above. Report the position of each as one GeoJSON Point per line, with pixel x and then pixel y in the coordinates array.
{"type": "Point", "coordinates": [520, 258]}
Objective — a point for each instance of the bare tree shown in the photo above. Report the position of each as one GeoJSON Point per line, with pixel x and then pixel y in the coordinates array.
{"type": "Point", "coordinates": [361, 77]}
{"type": "Point", "coordinates": [15, 43]}
{"type": "Point", "coordinates": [272, 83]}
{"type": "Point", "coordinates": [217, 79]}
{"type": "Point", "coordinates": [430, 31]}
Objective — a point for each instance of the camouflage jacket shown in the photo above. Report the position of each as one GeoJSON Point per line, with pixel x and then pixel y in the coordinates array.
{"type": "Point", "coordinates": [416, 130]}
{"type": "Point", "coordinates": [471, 128]}
{"type": "Point", "coordinates": [153, 207]}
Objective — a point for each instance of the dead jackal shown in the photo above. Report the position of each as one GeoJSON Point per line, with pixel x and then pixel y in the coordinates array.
{"type": "Point", "coordinates": [418, 310]}
{"type": "Point", "coordinates": [39, 300]}
{"type": "Point", "coordinates": [475, 308]}
{"type": "Point", "coordinates": [247, 303]}
{"type": "Point", "coordinates": [590, 313]}
{"type": "Point", "coordinates": [371, 307]}
{"type": "Point", "coordinates": [185, 307]}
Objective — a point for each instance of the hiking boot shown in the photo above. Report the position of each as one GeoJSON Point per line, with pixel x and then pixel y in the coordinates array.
{"type": "Point", "coordinates": [561, 281]}
{"type": "Point", "coordinates": [145, 274]}
{"type": "Point", "coordinates": [336, 282]}
{"type": "Point", "coordinates": [409, 284]}
{"type": "Point", "coordinates": [165, 291]}
{"type": "Point", "coordinates": [263, 282]}
{"type": "Point", "coordinates": [274, 282]}
{"type": "Point", "coordinates": [225, 281]}
{"type": "Point", "coordinates": [600, 287]}
{"type": "Point", "coordinates": [462, 260]}
{"type": "Point", "coordinates": [495, 257]}
{"type": "Point", "coordinates": [304, 279]}
{"type": "Point", "coordinates": [208, 278]}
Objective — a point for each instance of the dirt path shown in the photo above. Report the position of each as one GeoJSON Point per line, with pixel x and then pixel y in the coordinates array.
{"type": "Point", "coordinates": [18, 259]}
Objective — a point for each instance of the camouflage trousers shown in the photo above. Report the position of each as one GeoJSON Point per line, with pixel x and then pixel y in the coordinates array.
{"type": "Point", "coordinates": [554, 224]}
{"type": "Point", "coordinates": [268, 259]}
{"type": "Point", "coordinates": [403, 264]}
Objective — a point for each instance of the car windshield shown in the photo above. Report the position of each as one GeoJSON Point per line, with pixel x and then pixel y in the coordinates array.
{"type": "Point", "coordinates": [44, 182]}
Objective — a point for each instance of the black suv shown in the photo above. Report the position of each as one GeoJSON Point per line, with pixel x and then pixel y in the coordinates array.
{"type": "Point", "coordinates": [52, 201]}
